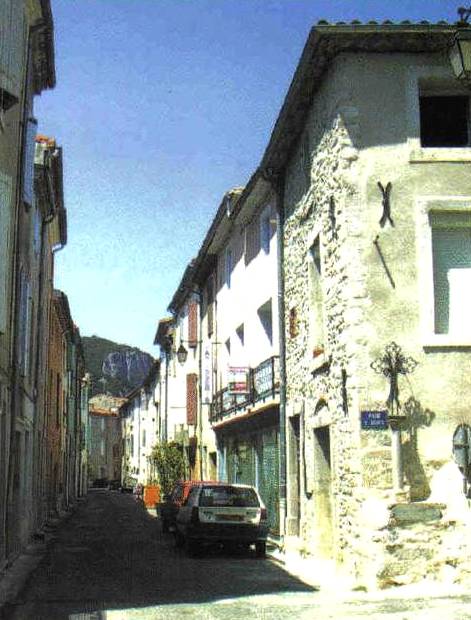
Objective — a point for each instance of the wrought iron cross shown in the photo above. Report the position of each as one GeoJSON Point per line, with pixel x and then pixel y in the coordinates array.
{"type": "Point", "coordinates": [386, 201]}
{"type": "Point", "coordinates": [392, 364]}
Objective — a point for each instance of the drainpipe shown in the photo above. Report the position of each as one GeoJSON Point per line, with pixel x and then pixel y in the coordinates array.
{"type": "Point", "coordinates": [199, 418]}
{"type": "Point", "coordinates": [278, 185]}
{"type": "Point", "coordinates": [167, 361]}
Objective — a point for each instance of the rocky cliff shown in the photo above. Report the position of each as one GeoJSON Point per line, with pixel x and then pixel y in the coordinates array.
{"type": "Point", "coordinates": [115, 368]}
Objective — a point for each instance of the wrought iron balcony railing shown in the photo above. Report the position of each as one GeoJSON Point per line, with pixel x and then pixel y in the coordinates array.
{"type": "Point", "coordinates": [263, 382]}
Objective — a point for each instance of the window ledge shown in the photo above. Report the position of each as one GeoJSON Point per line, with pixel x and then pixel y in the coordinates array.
{"type": "Point", "coordinates": [431, 155]}
{"type": "Point", "coordinates": [318, 361]}
{"type": "Point", "coordinates": [446, 341]}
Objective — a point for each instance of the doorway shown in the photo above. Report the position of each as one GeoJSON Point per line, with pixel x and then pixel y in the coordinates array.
{"type": "Point", "coordinates": [294, 477]}
{"type": "Point", "coordinates": [323, 492]}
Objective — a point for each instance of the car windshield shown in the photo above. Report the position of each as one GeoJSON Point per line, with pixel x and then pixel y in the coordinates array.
{"type": "Point", "coordinates": [228, 496]}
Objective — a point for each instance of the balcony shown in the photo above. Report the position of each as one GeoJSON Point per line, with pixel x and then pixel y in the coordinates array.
{"type": "Point", "coordinates": [263, 384]}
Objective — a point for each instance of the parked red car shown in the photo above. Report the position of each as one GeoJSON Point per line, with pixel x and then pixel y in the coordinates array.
{"type": "Point", "coordinates": [172, 503]}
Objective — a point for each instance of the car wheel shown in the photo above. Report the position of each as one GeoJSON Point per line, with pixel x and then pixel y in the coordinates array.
{"type": "Point", "coordinates": [261, 549]}
{"type": "Point", "coordinates": [192, 547]}
{"type": "Point", "coordinates": [179, 540]}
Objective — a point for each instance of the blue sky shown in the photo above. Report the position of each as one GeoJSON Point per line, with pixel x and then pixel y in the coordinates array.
{"type": "Point", "coordinates": [161, 106]}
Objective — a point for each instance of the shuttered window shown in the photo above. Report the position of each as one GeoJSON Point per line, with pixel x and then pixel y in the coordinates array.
{"type": "Point", "coordinates": [28, 165]}
{"type": "Point", "coordinates": [451, 249]}
{"type": "Point", "coordinates": [5, 222]}
{"type": "Point", "coordinates": [24, 326]}
{"type": "Point", "coordinates": [191, 398]}
{"type": "Point", "coordinates": [252, 240]}
{"type": "Point", "coordinates": [228, 267]}
{"type": "Point", "coordinates": [12, 51]}
{"type": "Point", "coordinates": [192, 324]}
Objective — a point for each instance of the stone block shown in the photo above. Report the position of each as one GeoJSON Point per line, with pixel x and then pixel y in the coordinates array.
{"type": "Point", "coordinates": [409, 514]}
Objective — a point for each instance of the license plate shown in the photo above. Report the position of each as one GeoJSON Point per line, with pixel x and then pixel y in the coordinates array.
{"type": "Point", "coordinates": [225, 517]}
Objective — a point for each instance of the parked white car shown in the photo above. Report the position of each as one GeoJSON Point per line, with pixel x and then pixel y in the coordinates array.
{"type": "Point", "coordinates": [220, 513]}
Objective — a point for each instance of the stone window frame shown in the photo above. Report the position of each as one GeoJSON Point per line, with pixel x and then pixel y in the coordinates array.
{"type": "Point", "coordinates": [437, 80]}
{"type": "Point", "coordinates": [425, 299]}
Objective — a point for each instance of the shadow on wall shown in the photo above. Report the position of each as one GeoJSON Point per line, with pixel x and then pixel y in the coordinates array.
{"type": "Point", "coordinates": [416, 417]}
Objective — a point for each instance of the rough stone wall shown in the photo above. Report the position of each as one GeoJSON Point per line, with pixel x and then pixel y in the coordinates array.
{"type": "Point", "coordinates": [327, 205]}
{"type": "Point", "coordinates": [365, 309]}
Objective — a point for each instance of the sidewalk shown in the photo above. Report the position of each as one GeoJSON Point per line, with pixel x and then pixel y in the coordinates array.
{"type": "Point", "coordinates": [14, 577]}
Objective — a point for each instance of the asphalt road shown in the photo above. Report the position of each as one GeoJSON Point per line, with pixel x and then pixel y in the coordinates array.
{"type": "Point", "coordinates": [111, 561]}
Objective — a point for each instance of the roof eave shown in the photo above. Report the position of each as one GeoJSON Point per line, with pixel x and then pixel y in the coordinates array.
{"type": "Point", "coordinates": [43, 50]}
{"type": "Point", "coordinates": [324, 43]}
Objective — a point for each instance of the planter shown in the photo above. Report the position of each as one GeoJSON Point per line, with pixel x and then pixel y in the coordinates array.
{"type": "Point", "coordinates": [151, 495]}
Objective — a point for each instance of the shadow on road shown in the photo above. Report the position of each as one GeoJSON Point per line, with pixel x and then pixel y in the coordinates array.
{"type": "Point", "coordinates": [112, 555]}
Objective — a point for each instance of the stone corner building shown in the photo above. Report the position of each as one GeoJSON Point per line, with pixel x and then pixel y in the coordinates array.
{"type": "Point", "coordinates": [372, 164]}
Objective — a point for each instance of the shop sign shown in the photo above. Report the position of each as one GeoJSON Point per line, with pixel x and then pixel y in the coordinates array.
{"type": "Point", "coordinates": [237, 380]}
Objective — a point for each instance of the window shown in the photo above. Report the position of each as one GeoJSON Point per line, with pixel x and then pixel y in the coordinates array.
{"type": "Point", "coordinates": [25, 323]}
{"type": "Point", "coordinates": [444, 121]}
{"type": "Point", "coordinates": [191, 398]}
{"type": "Point", "coordinates": [5, 223]}
{"type": "Point", "coordinates": [265, 232]}
{"type": "Point", "coordinates": [192, 324]}
{"type": "Point", "coordinates": [28, 164]}
{"type": "Point", "coordinates": [451, 256]}
{"type": "Point", "coordinates": [266, 319]}
{"type": "Point", "coordinates": [228, 267]}
{"type": "Point", "coordinates": [240, 334]}
{"type": "Point", "coordinates": [252, 240]}
{"type": "Point", "coordinates": [293, 323]}
{"type": "Point", "coordinates": [227, 496]}
{"type": "Point", "coordinates": [316, 318]}
{"type": "Point", "coordinates": [12, 43]}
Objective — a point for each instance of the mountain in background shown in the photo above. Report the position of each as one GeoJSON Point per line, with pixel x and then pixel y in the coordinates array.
{"type": "Point", "coordinates": [114, 368]}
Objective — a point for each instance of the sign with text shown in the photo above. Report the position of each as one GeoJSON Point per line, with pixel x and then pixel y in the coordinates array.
{"type": "Point", "coordinates": [207, 369]}
{"type": "Point", "coordinates": [237, 379]}
{"type": "Point", "coordinates": [374, 420]}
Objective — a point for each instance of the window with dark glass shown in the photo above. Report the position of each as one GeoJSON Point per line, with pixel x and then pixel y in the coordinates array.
{"type": "Point", "coordinates": [444, 121]}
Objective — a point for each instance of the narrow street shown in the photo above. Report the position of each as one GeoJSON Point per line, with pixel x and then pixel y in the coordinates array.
{"type": "Point", "coordinates": [110, 560]}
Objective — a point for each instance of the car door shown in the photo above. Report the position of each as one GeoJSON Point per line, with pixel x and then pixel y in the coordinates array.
{"type": "Point", "coordinates": [184, 514]}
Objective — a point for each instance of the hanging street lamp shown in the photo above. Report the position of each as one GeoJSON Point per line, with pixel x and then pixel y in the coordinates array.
{"type": "Point", "coordinates": [460, 50]}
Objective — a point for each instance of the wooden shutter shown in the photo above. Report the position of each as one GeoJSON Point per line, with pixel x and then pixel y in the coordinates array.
{"type": "Point", "coordinates": [192, 324]}
{"type": "Point", "coordinates": [191, 398]}
{"type": "Point", "coordinates": [5, 225]}
{"type": "Point", "coordinates": [28, 164]}
{"type": "Point", "coordinates": [12, 51]}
